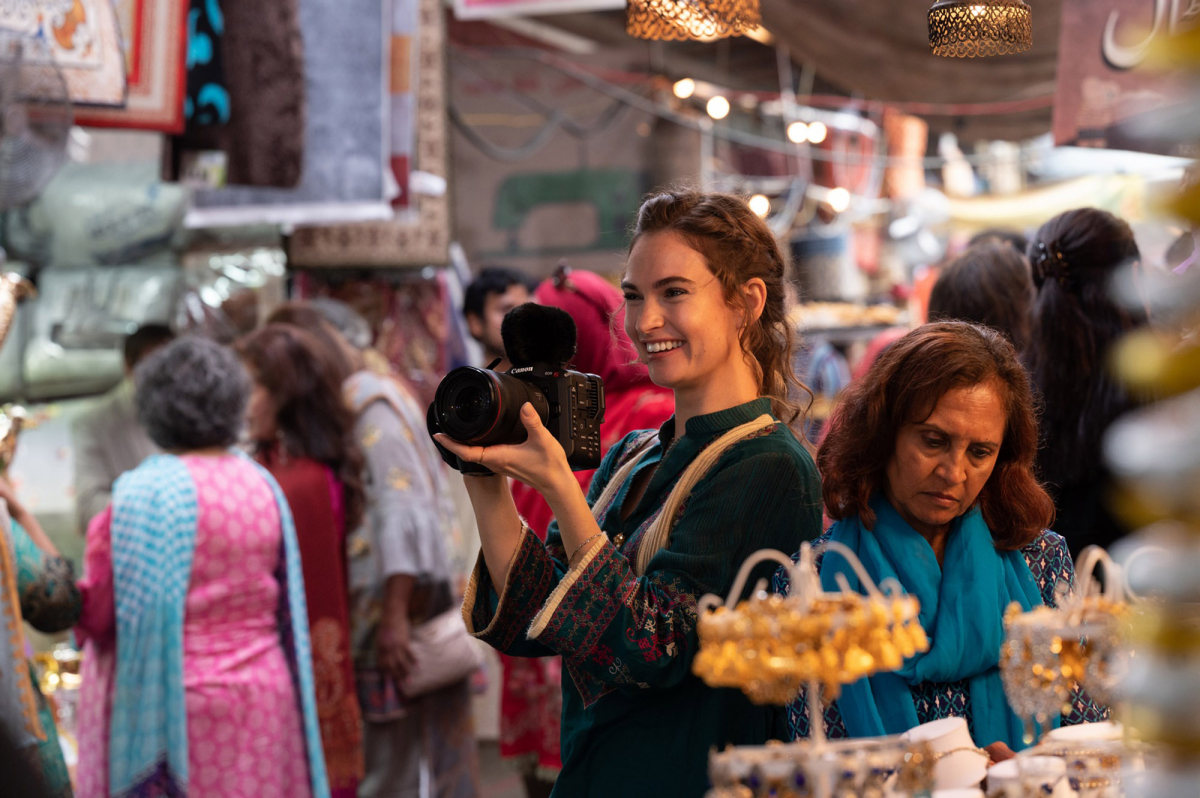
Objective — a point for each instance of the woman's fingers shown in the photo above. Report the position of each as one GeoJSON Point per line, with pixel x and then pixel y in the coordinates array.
{"type": "Point", "coordinates": [471, 454]}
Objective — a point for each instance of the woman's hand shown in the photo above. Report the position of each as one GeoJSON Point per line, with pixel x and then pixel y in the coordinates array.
{"type": "Point", "coordinates": [9, 494]}
{"type": "Point", "coordinates": [539, 462]}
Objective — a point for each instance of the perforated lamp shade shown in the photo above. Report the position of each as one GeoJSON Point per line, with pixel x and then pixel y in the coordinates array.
{"type": "Point", "coordinates": [690, 19]}
{"type": "Point", "coordinates": [973, 28]}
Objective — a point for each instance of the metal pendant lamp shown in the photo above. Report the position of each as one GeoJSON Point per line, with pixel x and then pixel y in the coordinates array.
{"type": "Point", "coordinates": [976, 28]}
{"type": "Point", "coordinates": [690, 19]}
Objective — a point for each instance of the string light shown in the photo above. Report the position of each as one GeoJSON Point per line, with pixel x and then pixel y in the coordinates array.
{"type": "Point", "coordinates": [838, 199]}
{"type": "Point", "coordinates": [718, 107]}
{"type": "Point", "coordinates": [817, 132]}
{"type": "Point", "coordinates": [760, 205]}
{"type": "Point", "coordinates": [684, 88]}
{"type": "Point", "coordinates": [797, 132]}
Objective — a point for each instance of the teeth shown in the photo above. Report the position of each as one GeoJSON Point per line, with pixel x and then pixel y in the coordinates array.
{"type": "Point", "coordinates": [664, 346]}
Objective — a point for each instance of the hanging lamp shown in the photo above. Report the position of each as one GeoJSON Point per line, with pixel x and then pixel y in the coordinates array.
{"type": "Point", "coordinates": [690, 19]}
{"type": "Point", "coordinates": [975, 28]}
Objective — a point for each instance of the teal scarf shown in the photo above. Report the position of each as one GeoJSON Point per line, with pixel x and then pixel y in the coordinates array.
{"type": "Point", "coordinates": [962, 610]}
{"type": "Point", "coordinates": [155, 511]}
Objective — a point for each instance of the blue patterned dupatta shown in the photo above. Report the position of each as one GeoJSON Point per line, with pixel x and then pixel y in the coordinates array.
{"type": "Point", "coordinates": [155, 512]}
{"type": "Point", "coordinates": [962, 609]}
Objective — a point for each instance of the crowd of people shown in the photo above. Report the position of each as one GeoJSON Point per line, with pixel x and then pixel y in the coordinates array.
{"type": "Point", "coordinates": [267, 525]}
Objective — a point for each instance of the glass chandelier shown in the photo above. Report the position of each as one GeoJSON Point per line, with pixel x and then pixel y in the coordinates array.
{"type": "Point", "coordinates": [973, 28]}
{"type": "Point", "coordinates": [690, 19]}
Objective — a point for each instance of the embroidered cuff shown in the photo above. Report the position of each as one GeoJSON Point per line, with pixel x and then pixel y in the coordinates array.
{"type": "Point", "coordinates": [584, 604]}
{"type": "Point", "coordinates": [500, 620]}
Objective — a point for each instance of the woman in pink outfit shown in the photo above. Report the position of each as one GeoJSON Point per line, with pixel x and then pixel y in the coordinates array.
{"type": "Point", "coordinates": [197, 672]}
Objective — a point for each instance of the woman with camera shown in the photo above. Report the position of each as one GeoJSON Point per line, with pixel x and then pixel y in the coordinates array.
{"type": "Point", "coordinates": [671, 513]}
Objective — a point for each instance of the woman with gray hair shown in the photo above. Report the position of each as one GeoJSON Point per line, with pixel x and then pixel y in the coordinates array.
{"type": "Point", "coordinates": [198, 674]}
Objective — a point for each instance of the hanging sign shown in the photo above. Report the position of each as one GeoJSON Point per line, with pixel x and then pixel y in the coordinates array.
{"type": "Point", "coordinates": [1106, 95]}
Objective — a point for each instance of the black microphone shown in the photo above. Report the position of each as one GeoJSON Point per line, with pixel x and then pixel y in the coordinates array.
{"type": "Point", "coordinates": [538, 335]}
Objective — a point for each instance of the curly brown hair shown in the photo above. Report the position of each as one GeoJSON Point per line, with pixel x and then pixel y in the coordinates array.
{"type": "Point", "coordinates": [904, 386]}
{"type": "Point", "coordinates": [737, 246]}
{"type": "Point", "coordinates": [305, 378]}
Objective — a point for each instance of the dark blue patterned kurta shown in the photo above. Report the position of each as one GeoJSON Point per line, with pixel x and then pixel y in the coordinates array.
{"type": "Point", "coordinates": [1051, 565]}
{"type": "Point", "coordinates": [636, 721]}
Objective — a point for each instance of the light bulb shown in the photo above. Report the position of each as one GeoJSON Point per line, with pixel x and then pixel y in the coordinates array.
{"type": "Point", "coordinates": [838, 199]}
{"type": "Point", "coordinates": [718, 107]}
{"type": "Point", "coordinates": [684, 88]}
{"type": "Point", "coordinates": [797, 132]}
{"type": "Point", "coordinates": [978, 11]}
{"type": "Point", "coordinates": [817, 132]}
{"type": "Point", "coordinates": [760, 205]}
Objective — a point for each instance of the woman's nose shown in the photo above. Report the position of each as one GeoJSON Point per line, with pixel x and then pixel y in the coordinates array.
{"type": "Point", "coordinates": [953, 468]}
{"type": "Point", "coordinates": [649, 319]}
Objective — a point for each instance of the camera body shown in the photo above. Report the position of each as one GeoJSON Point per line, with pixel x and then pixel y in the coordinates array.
{"type": "Point", "coordinates": [482, 407]}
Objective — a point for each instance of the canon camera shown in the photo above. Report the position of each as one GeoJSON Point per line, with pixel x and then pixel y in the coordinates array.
{"type": "Point", "coordinates": [482, 407]}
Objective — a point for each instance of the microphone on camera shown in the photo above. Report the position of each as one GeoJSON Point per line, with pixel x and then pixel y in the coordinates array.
{"type": "Point", "coordinates": [538, 335]}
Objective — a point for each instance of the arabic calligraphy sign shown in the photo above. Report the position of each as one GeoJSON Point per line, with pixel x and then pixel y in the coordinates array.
{"type": "Point", "coordinates": [1103, 85]}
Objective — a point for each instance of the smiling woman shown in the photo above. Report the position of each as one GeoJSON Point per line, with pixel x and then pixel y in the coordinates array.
{"type": "Point", "coordinates": [928, 471]}
{"type": "Point", "coordinates": [670, 514]}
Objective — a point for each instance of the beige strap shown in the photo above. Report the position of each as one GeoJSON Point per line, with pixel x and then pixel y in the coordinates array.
{"type": "Point", "coordinates": [659, 534]}
{"type": "Point", "coordinates": [609, 494]}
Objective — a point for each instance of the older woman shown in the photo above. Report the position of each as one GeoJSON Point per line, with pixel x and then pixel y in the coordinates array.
{"type": "Point", "coordinates": [198, 675]}
{"type": "Point", "coordinates": [928, 472]}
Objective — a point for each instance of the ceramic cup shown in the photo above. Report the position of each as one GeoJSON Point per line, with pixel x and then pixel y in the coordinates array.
{"type": "Point", "coordinates": [960, 762]}
{"type": "Point", "coordinates": [1029, 776]}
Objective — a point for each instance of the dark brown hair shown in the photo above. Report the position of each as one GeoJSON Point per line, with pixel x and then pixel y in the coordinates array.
{"type": "Point", "coordinates": [988, 284]}
{"type": "Point", "coordinates": [904, 386]}
{"type": "Point", "coordinates": [1075, 325]}
{"type": "Point", "coordinates": [313, 419]}
{"type": "Point", "coordinates": [737, 246]}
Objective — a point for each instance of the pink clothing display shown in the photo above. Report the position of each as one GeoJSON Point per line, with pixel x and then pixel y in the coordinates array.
{"type": "Point", "coordinates": [245, 737]}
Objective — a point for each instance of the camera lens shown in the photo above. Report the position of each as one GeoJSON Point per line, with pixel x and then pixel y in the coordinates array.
{"type": "Point", "coordinates": [483, 407]}
{"type": "Point", "coordinates": [469, 403]}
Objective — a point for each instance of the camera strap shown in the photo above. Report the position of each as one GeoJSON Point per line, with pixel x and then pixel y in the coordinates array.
{"type": "Point", "coordinates": [658, 535]}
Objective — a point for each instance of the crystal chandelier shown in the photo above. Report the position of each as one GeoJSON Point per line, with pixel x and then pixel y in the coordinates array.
{"type": "Point", "coordinates": [690, 19]}
{"type": "Point", "coordinates": [971, 28]}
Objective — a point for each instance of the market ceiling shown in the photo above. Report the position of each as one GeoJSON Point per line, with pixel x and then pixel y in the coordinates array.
{"type": "Point", "coordinates": [879, 49]}
{"type": "Point", "coordinates": [874, 49]}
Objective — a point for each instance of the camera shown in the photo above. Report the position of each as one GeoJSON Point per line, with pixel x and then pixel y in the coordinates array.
{"type": "Point", "coordinates": [482, 407]}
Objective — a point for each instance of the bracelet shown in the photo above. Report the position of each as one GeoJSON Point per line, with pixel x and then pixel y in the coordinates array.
{"type": "Point", "coordinates": [581, 545]}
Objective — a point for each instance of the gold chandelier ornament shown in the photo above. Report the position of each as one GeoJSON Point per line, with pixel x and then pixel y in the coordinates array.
{"type": "Point", "coordinates": [691, 19]}
{"type": "Point", "coordinates": [977, 28]}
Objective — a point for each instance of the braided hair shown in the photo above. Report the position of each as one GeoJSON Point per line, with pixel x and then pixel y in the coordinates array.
{"type": "Point", "coordinates": [737, 246]}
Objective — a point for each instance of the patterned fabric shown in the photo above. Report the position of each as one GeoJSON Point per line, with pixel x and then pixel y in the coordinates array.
{"type": "Point", "coordinates": [153, 547]}
{"type": "Point", "coordinates": [207, 100]}
{"type": "Point", "coordinates": [1052, 569]}
{"type": "Point", "coordinates": [411, 527]}
{"type": "Point", "coordinates": [50, 602]}
{"type": "Point", "coordinates": [18, 704]}
{"type": "Point", "coordinates": [315, 497]}
{"type": "Point", "coordinates": [627, 642]}
{"type": "Point", "coordinates": [410, 517]}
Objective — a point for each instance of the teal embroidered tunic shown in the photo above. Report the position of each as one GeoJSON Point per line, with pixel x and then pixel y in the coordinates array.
{"type": "Point", "coordinates": [636, 721]}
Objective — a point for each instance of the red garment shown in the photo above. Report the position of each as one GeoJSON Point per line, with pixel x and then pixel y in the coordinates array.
{"type": "Point", "coordinates": [316, 499]}
{"type": "Point", "coordinates": [531, 692]}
